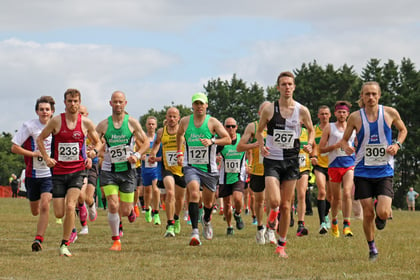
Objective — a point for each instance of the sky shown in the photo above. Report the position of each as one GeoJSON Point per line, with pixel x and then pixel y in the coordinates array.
{"type": "Point", "coordinates": [161, 52]}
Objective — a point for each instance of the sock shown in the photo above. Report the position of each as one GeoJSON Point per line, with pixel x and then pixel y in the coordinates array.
{"type": "Point", "coordinates": [346, 222]}
{"type": "Point", "coordinates": [39, 238]}
{"type": "Point", "coordinates": [327, 207]}
{"type": "Point", "coordinates": [65, 242]}
{"type": "Point", "coordinates": [321, 210]}
{"type": "Point", "coordinates": [301, 223]}
{"type": "Point", "coordinates": [281, 242]}
{"type": "Point", "coordinates": [260, 227]}
{"type": "Point", "coordinates": [335, 221]}
{"type": "Point", "coordinates": [114, 223]}
{"type": "Point", "coordinates": [372, 246]}
{"type": "Point", "coordinates": [141, 199]}
{"type": "Point", "coordinates": [171, 222]}
{"type": "Point", "coordinates": [207, 214]}
{"type": "Point", "coordinates": [176, 217]}
{"type": "Point", "coordinates": [273, 214]}
{"type": "Point", "coordinates": [193, 210]}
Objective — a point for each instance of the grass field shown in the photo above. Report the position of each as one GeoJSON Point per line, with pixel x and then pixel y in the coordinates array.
{"type": "Point", "coordinates": [147, 255]}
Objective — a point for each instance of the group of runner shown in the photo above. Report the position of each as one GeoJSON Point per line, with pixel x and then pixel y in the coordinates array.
{"type": "Point", "coordinates": [195, 156]}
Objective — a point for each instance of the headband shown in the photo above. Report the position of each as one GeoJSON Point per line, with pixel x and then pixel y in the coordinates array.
{"type": "Point", "coordinates": [342, 107]}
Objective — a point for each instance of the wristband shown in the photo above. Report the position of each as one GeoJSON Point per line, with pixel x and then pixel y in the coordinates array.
{"type": "Point", "coordinates": [137, 155]}
{"type": "Point", "coordinates": [313, 157]}
{"type": "Point", "coordinates": [179, 153]}
{"type": "Point", "coordinates": [96, 151]}
{"type": "Point", "coordinates": [213, 141]}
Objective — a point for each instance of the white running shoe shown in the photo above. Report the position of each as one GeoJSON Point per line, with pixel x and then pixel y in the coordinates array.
{"type": "Point", "coordinates": [260, 236]}
{"type": "Point", "coordinates": [84, 230]}
{"type": "Point", "coordinates": [270, 236]}
{"type": "Point", "coordinates": [92, 212]}
{"type": "Point", "coordinates": [207, 230]}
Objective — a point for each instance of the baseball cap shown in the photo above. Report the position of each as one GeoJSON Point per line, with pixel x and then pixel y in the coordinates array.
{"type": "Point", "coordinates": [199, 96]}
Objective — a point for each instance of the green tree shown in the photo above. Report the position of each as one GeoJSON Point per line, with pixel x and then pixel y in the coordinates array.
{"type": "Point", "coordinates": [11, 163]}
{"type": "Point", "coordinates": [235, 99]}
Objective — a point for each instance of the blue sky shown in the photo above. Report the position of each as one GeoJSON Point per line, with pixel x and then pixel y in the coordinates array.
{"type": "Point", "coordinates": [163, 51]}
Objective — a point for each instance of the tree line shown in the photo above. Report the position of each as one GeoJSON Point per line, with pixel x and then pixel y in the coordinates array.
{"type": "Point", "coordinates": [316, 85]}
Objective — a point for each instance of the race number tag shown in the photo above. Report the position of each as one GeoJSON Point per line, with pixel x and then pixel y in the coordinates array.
{"type": "Point", "coordinates": [147, 164]}
{"type": "Point", "coordinates": [198, 155]}
{"type": "Point", "coordinates": [302, 159]}
{"type": "Point", "coordinates": [171, 158]}
{"type": "Point", "coordinates": [232, 165]}
{"type": "Point", "coordinates": [68, 151]}
{"type": "Point", "coordinates": [340, 152]}
{"type": "Point", "coordinates": [375, 155]}
{"type": "Point", "coordinates": [39, 163]}
{"type": "Point", "coordinates": [283, 139]}
{"type": "Point", "coordinates": [118, 153]}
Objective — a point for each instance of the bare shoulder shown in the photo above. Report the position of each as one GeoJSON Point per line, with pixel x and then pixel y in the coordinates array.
{"type": "Point", "coordinates": [102, 126]}
{"type": "Point", "coordinates": [391, 112]}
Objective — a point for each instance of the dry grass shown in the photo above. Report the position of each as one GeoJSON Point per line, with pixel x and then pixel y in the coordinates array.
{"type": "Point", "coordinates": [147, 255]}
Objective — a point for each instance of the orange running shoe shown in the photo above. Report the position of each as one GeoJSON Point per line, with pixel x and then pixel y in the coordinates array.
{"type": "Point", "coordinates": [116, 246]}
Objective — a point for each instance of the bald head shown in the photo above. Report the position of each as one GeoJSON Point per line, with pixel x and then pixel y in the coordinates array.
{"type": "Point", "coordinates": [83, 111]}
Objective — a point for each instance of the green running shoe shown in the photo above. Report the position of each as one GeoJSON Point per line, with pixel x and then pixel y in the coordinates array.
{"type": "Point", "coordinates": [177, 226]}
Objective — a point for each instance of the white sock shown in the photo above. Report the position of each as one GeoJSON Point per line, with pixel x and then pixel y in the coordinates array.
{"type": "Point", "coordinates": [114, 223]}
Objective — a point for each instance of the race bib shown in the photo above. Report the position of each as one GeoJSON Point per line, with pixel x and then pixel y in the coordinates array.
{"type": "Point", "coordinates": [198, 155]}
{"type": "Point", "coordinates": [118, 153]}
{"type": "Point", "coordinates": [232, 165]}
{"type": "Point", "coordinates": [171, 158]}
{"type": "Point", "coordinates": [39, 163]}
{"type": "Point", "coordinates": [147, 164]}
{"type": "Point", "coordinates": [68, 151]}
{"type": "Point", "coordinates": [375, 155]}
{"type": "Point", "coordinates": [283, 139]}
{"type": "Point", "coordinates": [302, 159]}
{"type": "Point", "coordinates": [340, 152]}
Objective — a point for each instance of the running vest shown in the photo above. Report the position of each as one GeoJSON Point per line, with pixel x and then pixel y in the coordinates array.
{"type": "Point", "coordinates": [69, 148]}
{"type": "Point", "coordinates": [119, 145]}
{"type": "Point", "coordinates": [372, 160]}
{"type": "Point", "coordinates": [322, 158]}
{"type": "Point", "coordinates": [304, 161]}
{"type": "Point", "coordinates": [197, 155]}
{"type": "Point", "coordinates": [337, 157]}
{"type": "Point", "coordinates": [283, 134]}
{"type": "Point", "coordinates": [26, 137]}
{"type": "Point", "coordinates": [257, 167]}
{"type": "Point", "coordinates": [169, 150]}
{"type": "Point", "coordinates": [233, 167]}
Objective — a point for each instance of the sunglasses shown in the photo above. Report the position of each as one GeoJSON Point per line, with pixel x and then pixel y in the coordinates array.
{"type": "Point", "coordinates": [230, 126]}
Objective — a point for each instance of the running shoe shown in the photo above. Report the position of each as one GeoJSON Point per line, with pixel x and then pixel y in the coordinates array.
{"type": "Point", "coordinates": [327, 222]}
{"type": "Point", "coordinates": [132, 217]}
{"type": "Point", "coordinates": [259, 237]}
{"type": "Point", "coordinates": [148, 216]}
{"type": "Point", "coordinates": [177, 226]}
{"type": "Point", "coordinates": [302, 231]}
{"type": "Point", "coordinates": [36, 246]}
{"type": "Point", "coordinates": [272, 224]}
{"type": "Point", "coordinates": [83, 212]}
{"type": "Point", "coordinates": [380, 224]}
{"type": "Point", "coordinates": [207, 230]}
{"type": "Point", "coordinates": [334, 230]}
{"type": "Point", "coordinates": [280, 250]}
{"type": "Point", "coordinates": [116, 246]}
{"type": "Point", "coordinates": [186, 216]}
{"type": "Point", "coordinates": [189, 221]}
{"type": "Point", "coordinates": [246, 211]}
{"type": "Point", "coordinates": [92, 212]}
{"type": "Point", "coordinates": [84, 230]}
{"type": "Point", "coordinates": [64, 251]}
{"type": "Point", "coordinates": [136, 210]}
{"type": "Point", "coordinates": [254, 221]}
{"type": "Point", "coordinates": [221, 211]}
{"type": "Point", "coordinates": [229, 231]}
{"type": "Point", "coordinates": [215, 209]}
{"type": "Point", "coordinates": [270, 236]}
{"type": "Point", "coordinates": [121, 232]}
{"type": "Point", "coordinates": [170, 231]}
{"type": "Point", "coordinates": [156, 219]}
{"type": "Point", "coordinates": [373, 256]}
{"type": "Point", "coordinates": [323, 229]}
{"type": "Point", "coordinates": [195, 240]}
{"type": "Point", "coordinates": [73, 236]}
{"type": "Point", "coordinates": [58, 221]}
{"type": "Point", "coordinates": [347, 232]}
{"type": "Point", "coordinates": [239, 222]}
